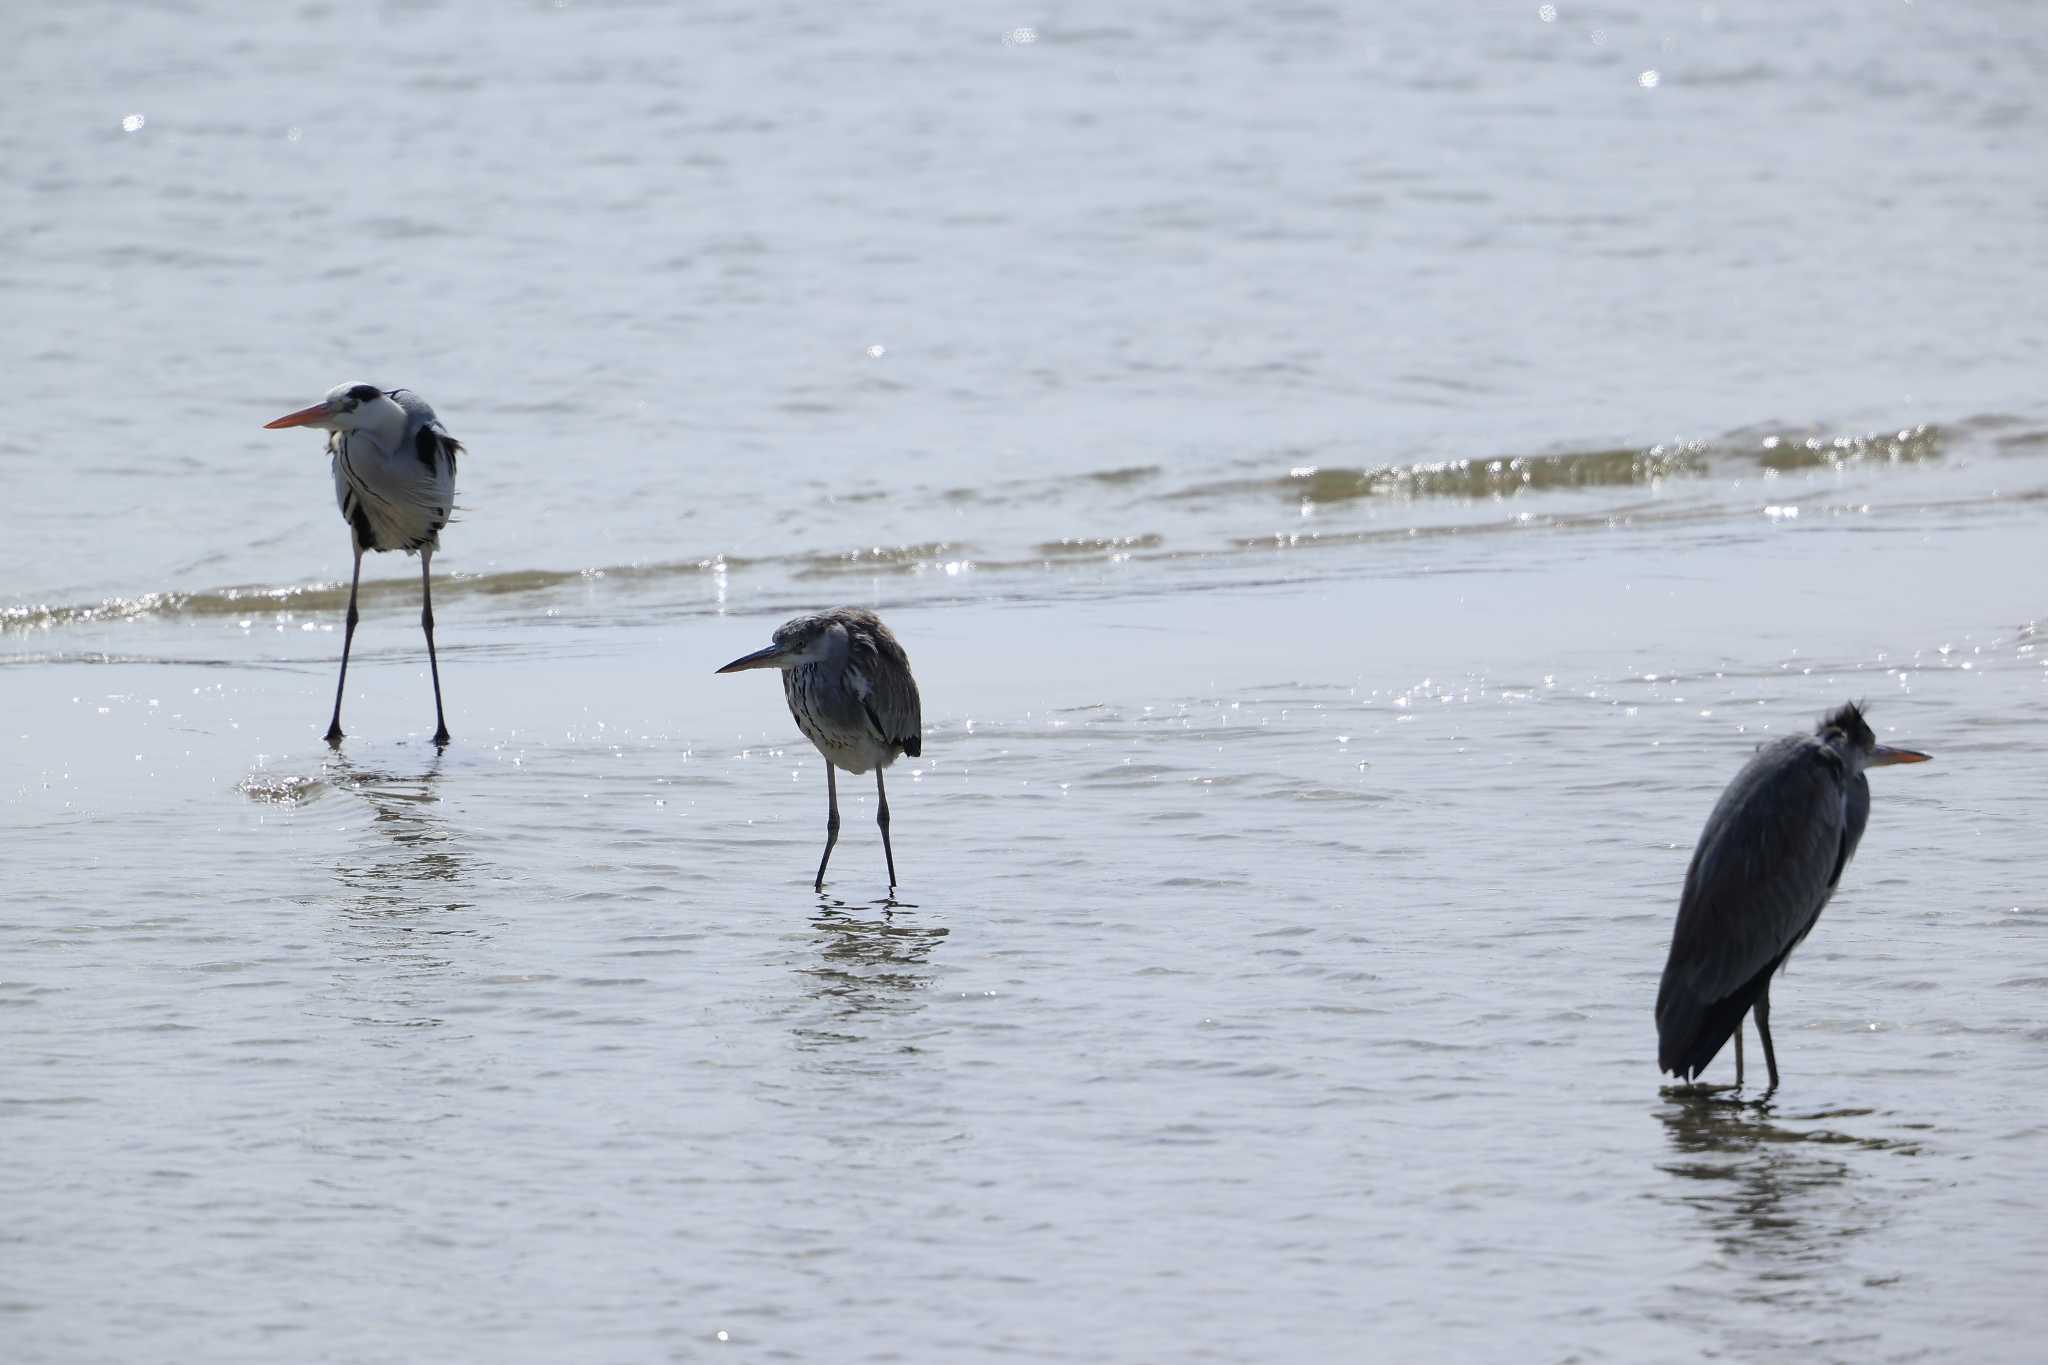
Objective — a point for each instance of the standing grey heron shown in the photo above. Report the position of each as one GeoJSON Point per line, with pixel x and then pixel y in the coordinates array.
{"type": "Point", "coordinates": [849, 688]}
{"type": "Point", "coordinates": [394, 477]}
{"type": "Point", "coordinates": [1769, 858]}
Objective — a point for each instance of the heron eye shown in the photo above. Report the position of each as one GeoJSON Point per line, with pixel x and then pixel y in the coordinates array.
{"type": "Point", "coordinates": [363, 393]}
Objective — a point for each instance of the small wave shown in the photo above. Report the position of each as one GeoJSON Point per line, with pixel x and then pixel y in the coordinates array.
{"type": "Point", "coordinates": [332, 595]}
{"type": "Point", "coordinates": [1136, 473]}
{"type": "Point", "coordinates": [1773, 447]}
{"type": "Point", "coordinates": [1794, 451]}
{"type": "Point", "coordinates": [1071, 546]}
{"type": "Point", "coordinates": [885, 559]}
{"type": "Point", "coordinates": [1472, 477]}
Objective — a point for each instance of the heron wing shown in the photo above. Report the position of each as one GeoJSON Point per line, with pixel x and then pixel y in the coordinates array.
{"type": "Point", "coordinates": [425, 439]}
{"type": "Point", "coordinates": [1765, 863]}
{"type": "Point", "coordinates": [891, 699]}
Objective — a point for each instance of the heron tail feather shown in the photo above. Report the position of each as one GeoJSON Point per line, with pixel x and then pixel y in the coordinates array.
{"type": "Point", "coordinates": [1691, 1032]}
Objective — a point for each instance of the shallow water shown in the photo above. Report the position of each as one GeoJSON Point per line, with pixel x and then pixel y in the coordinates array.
{"type": "Point", "coordinates": [1353, 486]}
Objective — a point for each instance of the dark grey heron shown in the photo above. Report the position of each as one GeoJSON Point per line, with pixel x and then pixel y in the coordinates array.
{"type": "Point", "coordinates": [1769, 858]}
{"type": "Point", "coordinates": [394, 477]}
{"type": "Point", "coordinates": [849, 688]}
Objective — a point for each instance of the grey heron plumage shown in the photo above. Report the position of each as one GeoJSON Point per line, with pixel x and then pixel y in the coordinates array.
{"type": "Point", "coordinates": [848, 685]}
{"type": "Point", "coordinates": [1769, 858]}
{"type": "Point", "coordinates": [394, 480]}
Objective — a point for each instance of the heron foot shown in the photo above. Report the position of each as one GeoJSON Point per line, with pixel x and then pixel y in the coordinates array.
{"type": "Point", "coordinates": [441, 738]}
{"type": "Point", "coordinates": [1700, 1090]}
{"type": "Point", "coordinates": [334, 735]}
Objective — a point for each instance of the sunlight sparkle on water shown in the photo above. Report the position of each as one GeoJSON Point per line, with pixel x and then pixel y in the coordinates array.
{"type": "Point", "coordinates": [133, 123]}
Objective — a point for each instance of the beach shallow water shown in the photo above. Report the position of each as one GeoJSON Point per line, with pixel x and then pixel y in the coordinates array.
{"type": "Point", "coordinates": [1353, 487]}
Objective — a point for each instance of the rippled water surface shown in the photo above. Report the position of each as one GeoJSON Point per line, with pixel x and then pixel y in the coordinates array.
{"type": "Point", "coordinates": [1354, 484]}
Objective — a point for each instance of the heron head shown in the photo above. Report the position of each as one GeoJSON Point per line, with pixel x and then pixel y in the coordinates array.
{"type": "Point", "coordinates": [347, 407]}
{"type": "Point", "coordinates": [1848, 733]}
{"type": "Point", "coordinates": [805, 640]}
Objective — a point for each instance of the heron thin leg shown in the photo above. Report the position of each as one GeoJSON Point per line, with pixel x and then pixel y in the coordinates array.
{"type": "Point", "coordinates": [1762, 1011]}
{"type": "Point", "coordinates": [427, 624]}
{"type": "Point", "coordinates": [1738, 1054]}
{"type": "Point", "coordinates": [831, 823]}
{"type": "Point", "coordinates": [348, 637]}
{"type": "Point", "coordinates": [882, 819]}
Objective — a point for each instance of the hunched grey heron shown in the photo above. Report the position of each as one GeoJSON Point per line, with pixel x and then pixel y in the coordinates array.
{"type": "Point", "coordinates": [394, 478]}
{"type": "Point", "coordinates": [849, 689]}
{"type": "Point", "coordinates": [1771, 855]}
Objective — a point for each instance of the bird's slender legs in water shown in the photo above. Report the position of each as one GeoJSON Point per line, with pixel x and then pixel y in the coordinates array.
{"type": "Point", "coordinates": [882, 819]}
{"type": "Point", "coordinates": [831, 823]}
{"type": "Point", "coordinates": [1738, 1054]}
{"type": "Point", "coordinates": [1762, 1010]}
{"type": "Point", "coordinates": [426, 624]}
{"type": "Point", "coordinates": [348, 636]}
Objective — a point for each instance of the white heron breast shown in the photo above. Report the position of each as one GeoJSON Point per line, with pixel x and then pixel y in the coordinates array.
{"type": "Point", "coordinates": [393, 494]}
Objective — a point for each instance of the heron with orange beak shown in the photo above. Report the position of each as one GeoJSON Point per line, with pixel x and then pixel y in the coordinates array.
{"type": "Point", "coordinates": [394, 479]}
{"type": "Point", "coordinates": [1767, 863]}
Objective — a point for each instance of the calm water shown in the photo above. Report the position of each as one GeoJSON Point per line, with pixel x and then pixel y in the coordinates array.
{"type": "Point", "coordinates": [1354, 485]}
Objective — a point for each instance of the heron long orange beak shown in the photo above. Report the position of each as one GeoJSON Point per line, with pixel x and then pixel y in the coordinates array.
{"type": "Point", "coordinates": [760, 658]}
{"type": "Point", "coordinates": [301, 418]}
{"type": "Point", "coordinates": [1884, 755]}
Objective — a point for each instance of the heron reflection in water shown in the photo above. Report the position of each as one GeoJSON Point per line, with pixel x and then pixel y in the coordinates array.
{"type": "Point", "coordinates": [423, 856]}
{"type": "Point", "coordinates": [1783, 1194]}
{"type": "Point", "coordinates": [1770, 857]}
{"type": "Point", "coordinates": [867, 967]}
{"type": "Point", "coordinates": [407, 889]}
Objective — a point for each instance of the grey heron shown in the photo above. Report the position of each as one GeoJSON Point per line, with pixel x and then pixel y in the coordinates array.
{"type": "Point", "coordinates": [394, 479]}
{"type": "Point", "coordinates": [1771, 855]}
{"type": "Point", "coordinates": [848, 685]}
